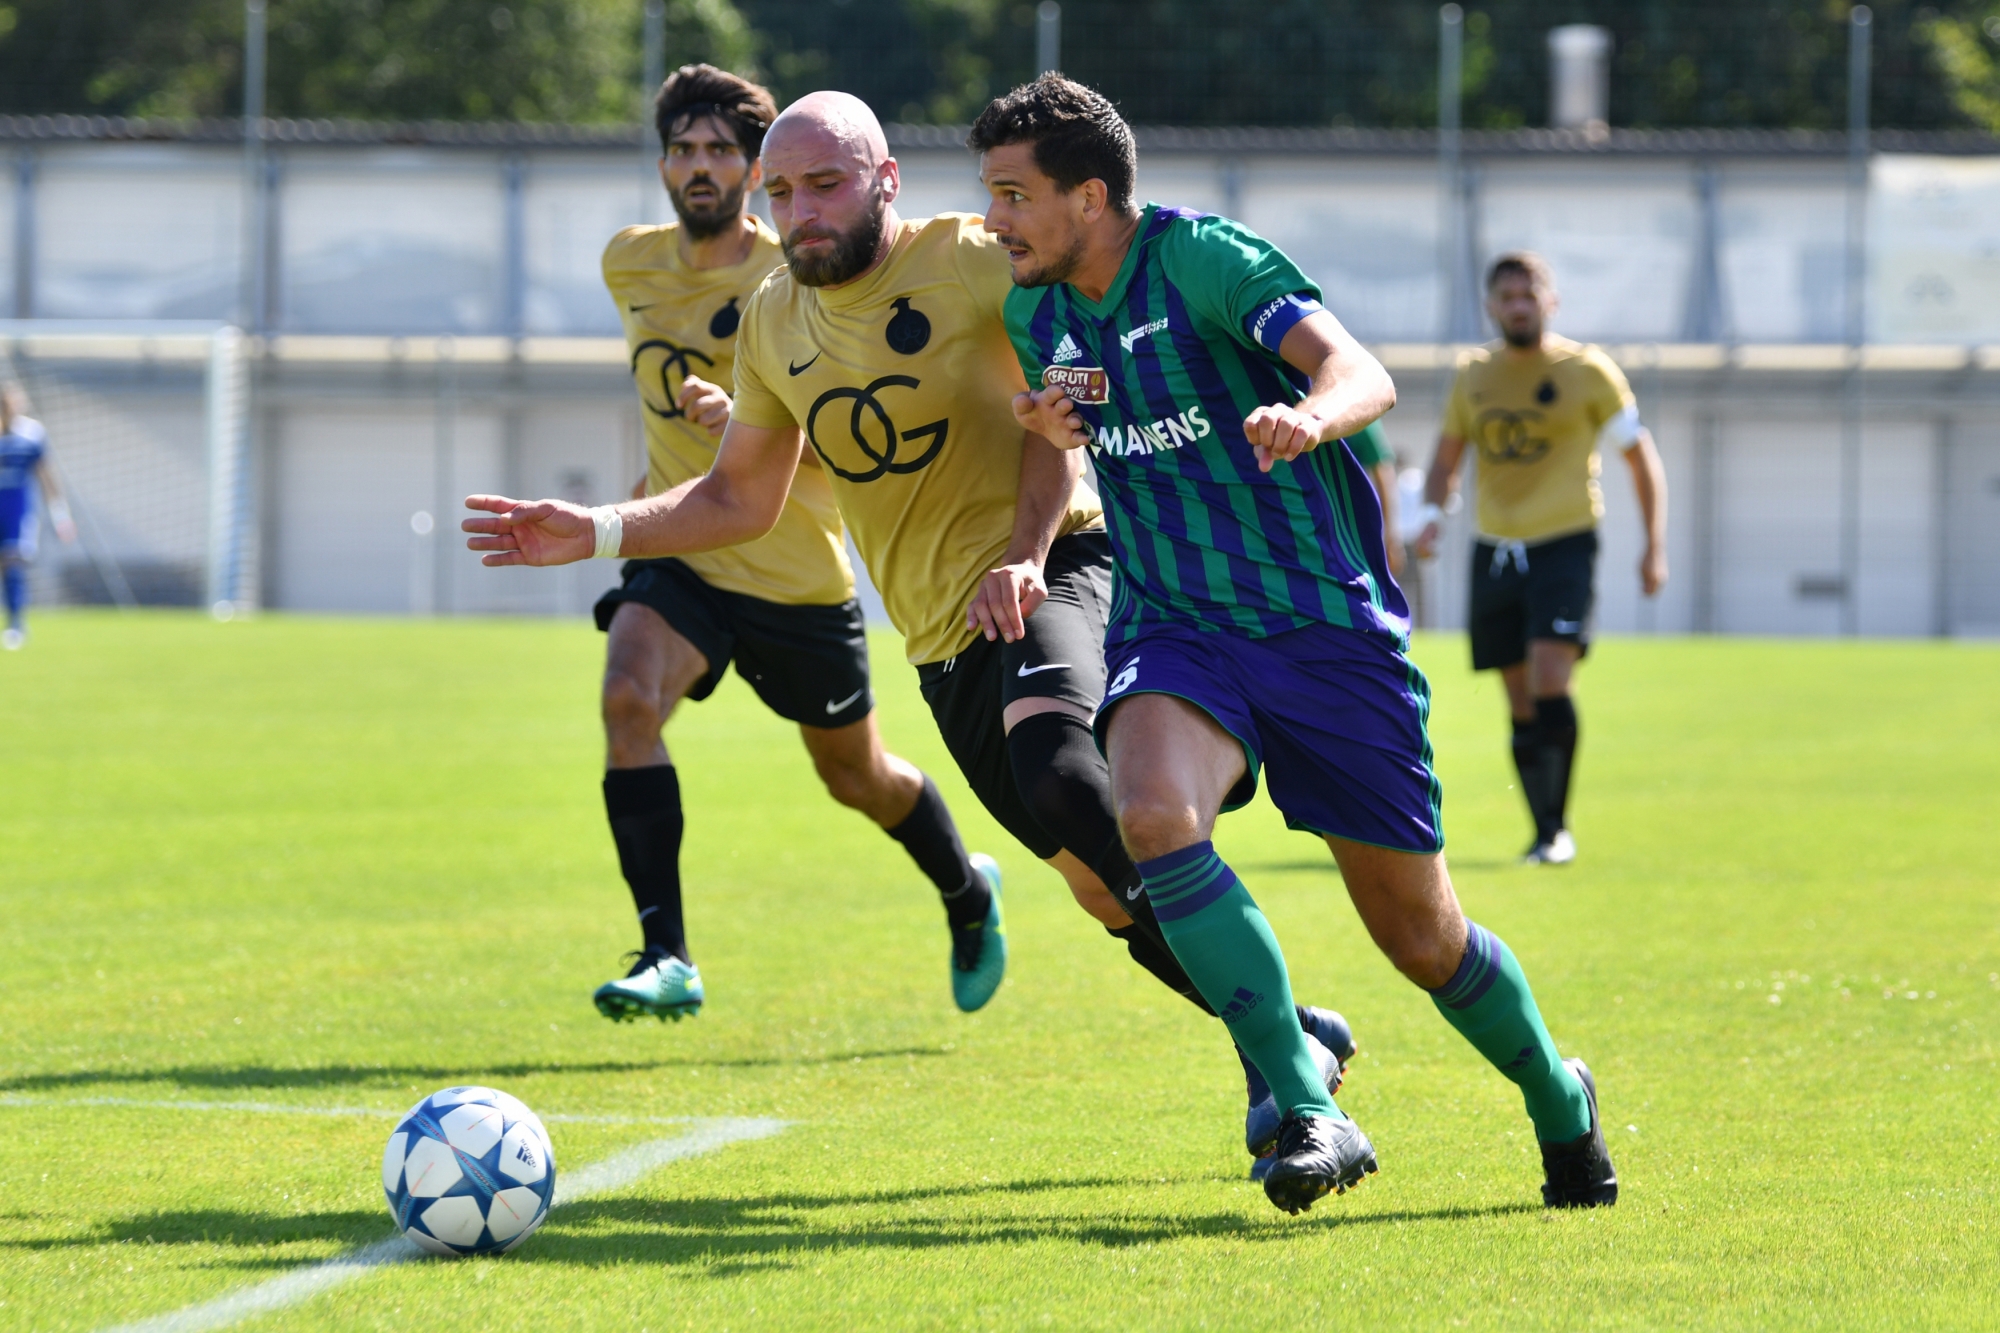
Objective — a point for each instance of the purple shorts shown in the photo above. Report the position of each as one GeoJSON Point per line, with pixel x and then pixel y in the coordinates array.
{"type": "Point", "coordinates": [1336, 716]}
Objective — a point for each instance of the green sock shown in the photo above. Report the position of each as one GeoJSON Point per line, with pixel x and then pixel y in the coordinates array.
{"type": "Point", "coordinates": [1226, 947]}
{"type": "Point", "coordinates": [1489, 1002]}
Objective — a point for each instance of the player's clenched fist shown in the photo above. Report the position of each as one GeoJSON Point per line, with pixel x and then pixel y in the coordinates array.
{"type": "Point", "coordinates": [1050, 414]}
{"type": "Point", "coordinates": [1277, 432]}
{"type": "Point", "coordinates": [519, 532]}
{"type": "Point", "coordinates": [705, 404]}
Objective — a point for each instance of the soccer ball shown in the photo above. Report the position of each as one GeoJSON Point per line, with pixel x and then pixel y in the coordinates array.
{"type": "Point", "coordinates": [469, 1171]}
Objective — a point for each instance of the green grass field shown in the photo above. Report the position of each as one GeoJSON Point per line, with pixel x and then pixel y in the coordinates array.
{"type": "Point", "coordinates": [333, 863]}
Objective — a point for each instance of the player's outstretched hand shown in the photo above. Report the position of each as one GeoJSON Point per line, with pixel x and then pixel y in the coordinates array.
{"type": "Point", "coordinates": [1007, 596]}
{"type": "Point", "coordinates": [1281, 432]}
{"type": "Point", "coordinates": [1050, 414]}
{"type": "Point", "coordinates": [705, 404]}
{"type": "Point", "coordinates": [520, 532]}
{"type": "Point", "coordinates": [1427, 540]}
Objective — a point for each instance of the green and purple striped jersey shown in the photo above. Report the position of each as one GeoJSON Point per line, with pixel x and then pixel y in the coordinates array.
{"type": "Point", "coordinates": [1163, 371]}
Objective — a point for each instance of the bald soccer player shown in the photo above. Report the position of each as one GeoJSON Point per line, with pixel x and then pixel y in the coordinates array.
{"type": "Point", "coordinates": [782, 607]}
{"type": "Point", "coordinates": [882, 350]}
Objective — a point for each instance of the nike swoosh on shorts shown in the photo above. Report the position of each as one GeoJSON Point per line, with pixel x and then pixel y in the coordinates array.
{"type": "Point", "coordinates": [833, 708]}
{"type": "Point", "coordinates": [1027, 670]}
{"type": "Point", "coordinates": [1566, 626]}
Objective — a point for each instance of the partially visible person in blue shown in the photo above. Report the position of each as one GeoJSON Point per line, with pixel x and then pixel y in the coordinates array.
{"type": "Point", "coordinates": [27, 482]}
{"type": "Point", "coordinates": [1254, 623]}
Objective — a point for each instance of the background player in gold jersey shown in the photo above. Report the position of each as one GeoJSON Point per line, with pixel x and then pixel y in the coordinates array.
{"type": "Point", "coordinates": [782, 606]}
{"type": "Point", "coordinates": [883, 353]}
{"type": "Point", "coordinates": [1537, 407]}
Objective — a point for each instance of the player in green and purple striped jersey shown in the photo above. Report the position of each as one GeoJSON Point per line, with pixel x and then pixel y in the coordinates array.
{"type": "Point", "coordinates": [1254, 623]}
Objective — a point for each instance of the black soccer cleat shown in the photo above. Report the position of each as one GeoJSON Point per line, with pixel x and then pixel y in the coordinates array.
{"type": "Point", "coordinates": [1579, 1172]}
{"type": "Point", "coordinates": [1317, 1155]}
{"type": "Point", "coordinates": [1332, 1046]}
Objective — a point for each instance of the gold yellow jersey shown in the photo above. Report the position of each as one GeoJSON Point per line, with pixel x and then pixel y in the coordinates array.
{"type": "Point", "coordinates": [903, 382]}
{"type": "Point", "coordinates": [682, 321]}
{"type": "Point", "coordinates": [1535, 418]}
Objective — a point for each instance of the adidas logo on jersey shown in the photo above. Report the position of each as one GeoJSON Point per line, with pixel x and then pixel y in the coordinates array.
{"type": "Point", "coordinates": [1126, 340]}
{"type": "Point", "coordinates": [1154, 438]}
{"type": "Point", "coordinates": [1066, 351]}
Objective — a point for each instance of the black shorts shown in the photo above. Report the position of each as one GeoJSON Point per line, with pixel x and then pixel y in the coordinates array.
{"type": "Point", "coordinates": [1520, 592]}
{"type": "Point", "coordinates": [1060, 657]}
{"type": "Point", "coordinates": [808, 663]}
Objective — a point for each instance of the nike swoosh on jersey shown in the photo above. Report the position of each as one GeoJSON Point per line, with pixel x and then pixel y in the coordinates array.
{"type": "Point", "coordinates": [800, 370]}
{"type": "Point", "coordinates": [1027, 670]}
{"type": "Point", "coordinates": [833, 708]}
{"type": "Point", "coordinates": [635, 309]}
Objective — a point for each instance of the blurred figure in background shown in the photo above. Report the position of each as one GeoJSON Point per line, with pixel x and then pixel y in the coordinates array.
{"type": "Point", "coordinates": [27, 482]}
{"type": "Point", "coordinates": [1538, 408]}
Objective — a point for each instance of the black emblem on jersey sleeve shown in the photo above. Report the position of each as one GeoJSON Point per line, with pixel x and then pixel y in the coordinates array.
{"type": "Point", "coordinates": [1546, 394]}
{"type": "Point", "coordinates": [725, 320]}
{"type": "Point", "coordinates": [870, 450]}
{"type": "Point", "coordinates": [658, 357]}
{"type": "Point", "coordinates": [909, 330]}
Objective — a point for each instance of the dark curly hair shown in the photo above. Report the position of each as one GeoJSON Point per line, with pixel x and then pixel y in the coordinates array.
{"type": "Point", "coordinates": [693, 92]}
{"type": "Point", "coordinates": [1078, 135]}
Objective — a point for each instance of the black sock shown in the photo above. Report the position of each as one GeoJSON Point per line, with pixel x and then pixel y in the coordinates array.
{"type": "Point", "coordinates": [1528, 763]}
{"type": "Point", "coordinates": [1153, 955]}
{"type": "Point", "coordinates": [1067, 786]}
{"type": "Point", "coordinates": [931, 838]}
{"type": "Point", "coordinates": [644, 805]}
{"type": "Point", "coordinates": [1556, 720]}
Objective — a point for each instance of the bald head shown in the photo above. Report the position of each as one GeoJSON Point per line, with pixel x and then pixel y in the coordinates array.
{"type": "Point", "coordinates": [839, 123]}
{"type": "Point", "coordinates": [831, 182]}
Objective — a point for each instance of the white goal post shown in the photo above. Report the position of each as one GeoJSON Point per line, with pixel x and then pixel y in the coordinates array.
{"type": "Point", "coordinates": [148, 426]}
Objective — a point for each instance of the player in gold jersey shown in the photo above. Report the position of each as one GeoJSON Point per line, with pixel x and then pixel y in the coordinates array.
{"type": "Point", "coordinates": [781, 606]}
{"type": "Point", "coordinates": [1537, 407]}
{"type": "Point", "coordinates": [882, 352]}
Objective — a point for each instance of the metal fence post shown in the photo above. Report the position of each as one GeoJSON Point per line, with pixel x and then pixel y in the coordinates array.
{"type": "Point", "coordinates": [1451, 65]}
{"type": "Point", "coordinates": [1860, 28]}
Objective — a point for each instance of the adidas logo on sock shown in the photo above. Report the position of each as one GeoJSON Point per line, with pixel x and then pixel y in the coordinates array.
{"type": "Point", "coordinates": [1066, 351]}
{"type": "Point", "coordinates": [1240, 1004]}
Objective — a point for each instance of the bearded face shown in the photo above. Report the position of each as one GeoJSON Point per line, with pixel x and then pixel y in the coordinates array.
{"type": "Point", "coordinates": [834, 256]}
{"type": "Point", "coordinates": [707, 209]}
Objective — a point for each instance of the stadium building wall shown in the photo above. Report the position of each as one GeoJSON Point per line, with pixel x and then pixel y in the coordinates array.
{"type": "Point", "coordinates": [432, 322]}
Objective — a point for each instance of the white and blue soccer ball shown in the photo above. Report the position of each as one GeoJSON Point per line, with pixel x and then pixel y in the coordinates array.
{"type": "Point", "coordinates": [469, 1171]}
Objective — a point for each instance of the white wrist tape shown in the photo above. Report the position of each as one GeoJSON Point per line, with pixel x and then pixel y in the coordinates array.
{"type": "Point", "coordinates": [59, 510]}
{"type": "Point", "coordinates": [610, 526]}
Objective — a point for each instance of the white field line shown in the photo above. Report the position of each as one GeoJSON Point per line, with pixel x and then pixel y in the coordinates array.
{"type": "Point", "coordinates": [279, 1108]}
{"type": "Point", "coordinates": [614, 1172]}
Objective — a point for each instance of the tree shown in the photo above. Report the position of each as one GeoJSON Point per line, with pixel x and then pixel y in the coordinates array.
{"type": "Point", "coordinates": [529, 60]}
{"type": "Point", "coordinates": [1964, 49]}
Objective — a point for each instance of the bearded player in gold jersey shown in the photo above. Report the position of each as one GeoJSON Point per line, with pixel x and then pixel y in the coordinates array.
{"type": "Point", "coordinates": [782, 607]}
{"type": "Point", "coordinates": [882, 352]}
{"type": "Point", "coordinates": [1537, 408]}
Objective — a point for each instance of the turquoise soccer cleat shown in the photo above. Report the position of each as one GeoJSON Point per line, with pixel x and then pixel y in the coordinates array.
{"type": "Point", "coordinates": [972, 986]}
{"type": "Point", "coordinates": [658, 984]}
